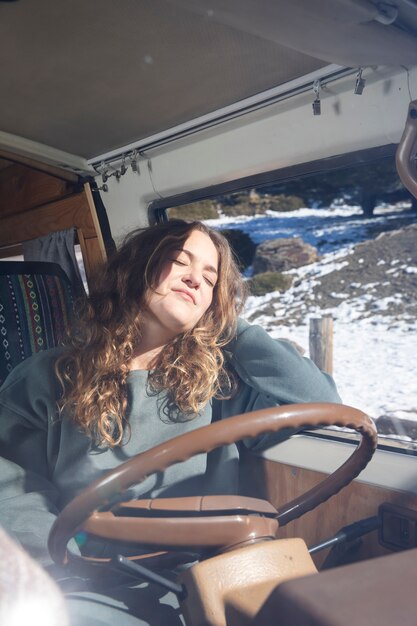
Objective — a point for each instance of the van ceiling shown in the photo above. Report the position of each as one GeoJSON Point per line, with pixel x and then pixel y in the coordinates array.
{"type": "Point", "coordinates": [91, 76]}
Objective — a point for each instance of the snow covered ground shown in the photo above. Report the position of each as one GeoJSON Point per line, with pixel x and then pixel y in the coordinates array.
{"type": "Point", "coordinates": [374, 357]}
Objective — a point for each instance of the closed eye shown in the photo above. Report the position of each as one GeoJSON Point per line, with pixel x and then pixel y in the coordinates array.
{"type": "Point", "coordinates": [209, 281]}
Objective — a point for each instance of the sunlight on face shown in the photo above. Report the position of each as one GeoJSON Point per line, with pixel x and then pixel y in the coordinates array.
{"type": "Point", "coordinates": [186, 284]}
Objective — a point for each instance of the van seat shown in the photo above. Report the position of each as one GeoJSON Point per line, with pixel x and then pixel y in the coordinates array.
{"type": "Point", "coordinates": [36, 304]}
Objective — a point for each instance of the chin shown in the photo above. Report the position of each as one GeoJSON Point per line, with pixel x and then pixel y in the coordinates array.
{"type": "Point", "coordinates": [178, 327]}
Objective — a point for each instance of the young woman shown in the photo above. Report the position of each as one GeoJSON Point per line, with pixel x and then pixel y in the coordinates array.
{"type": "Point", "coordinates": [157, 350]}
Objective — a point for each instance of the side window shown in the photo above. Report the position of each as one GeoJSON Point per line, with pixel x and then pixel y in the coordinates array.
{"type": "Point", "coordinates": [342, 245]}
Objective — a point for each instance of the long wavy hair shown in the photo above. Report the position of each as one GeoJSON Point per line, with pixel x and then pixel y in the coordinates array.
{"type": "Point", "coordinates": [191, 368]}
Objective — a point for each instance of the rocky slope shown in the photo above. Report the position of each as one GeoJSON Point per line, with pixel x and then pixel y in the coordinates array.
{"type": "Point", "coordinates": [376, 276]}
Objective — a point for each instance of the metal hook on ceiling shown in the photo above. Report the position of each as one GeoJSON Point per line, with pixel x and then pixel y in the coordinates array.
{"type": "Point", "coordinates": [359, 83]}
{"type": "Point", "coordinates": [316, 102]}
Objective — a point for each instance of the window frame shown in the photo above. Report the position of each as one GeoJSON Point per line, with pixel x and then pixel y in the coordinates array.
{"type": "Point", "coordinates": [157, 208]}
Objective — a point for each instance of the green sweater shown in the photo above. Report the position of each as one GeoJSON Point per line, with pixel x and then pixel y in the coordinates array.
{"type": "Point", "coordinates": [46, 460]}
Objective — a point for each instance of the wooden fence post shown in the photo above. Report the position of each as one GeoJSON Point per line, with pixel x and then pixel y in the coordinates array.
{"type": "Point", "coordinates": [321, 343]}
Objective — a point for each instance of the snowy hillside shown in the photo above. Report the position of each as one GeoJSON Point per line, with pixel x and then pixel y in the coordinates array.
{"type": "Point", "coordinates": [370, 290]}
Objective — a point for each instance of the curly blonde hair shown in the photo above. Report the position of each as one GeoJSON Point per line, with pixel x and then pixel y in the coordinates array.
{"type": "Point", "coordinates": [191, 368]}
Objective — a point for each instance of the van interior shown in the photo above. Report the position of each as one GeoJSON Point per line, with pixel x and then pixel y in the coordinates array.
{"type": "Point", "coordinates": [112, 113]}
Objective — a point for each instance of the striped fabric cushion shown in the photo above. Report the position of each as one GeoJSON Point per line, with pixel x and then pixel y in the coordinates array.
{"type": "Point", "coordinates": [36, 303]}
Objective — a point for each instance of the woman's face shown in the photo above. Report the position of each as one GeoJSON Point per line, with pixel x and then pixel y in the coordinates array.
{"type": "Point", "coordinates": [185, 288]}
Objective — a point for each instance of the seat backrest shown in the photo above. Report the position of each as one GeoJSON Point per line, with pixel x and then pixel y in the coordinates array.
{"type": "Point", "coordinates": [36, 304]}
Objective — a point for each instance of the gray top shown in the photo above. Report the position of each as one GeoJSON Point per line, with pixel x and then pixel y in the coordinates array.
{"type": "Point", "coordinates": [46, 460]}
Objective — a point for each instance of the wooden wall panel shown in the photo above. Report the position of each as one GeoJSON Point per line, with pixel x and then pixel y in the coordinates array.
{"type": "Point", "coordinates": [53, 170]}
{"type": "Point", "coordinates": [21, 189]}
{"type": "Point", "coordinates": [280, 483]}
{"type": "Point", "coordinates": [11, 251]}
{"type": "Point", "coordinates": [92, 253]}
{"type": "Point", "coordinates": [37, 199]}
{"type": "Point", "coordinates": [77, 210]}
{"type": "Point", "coordinates": [71, 211]}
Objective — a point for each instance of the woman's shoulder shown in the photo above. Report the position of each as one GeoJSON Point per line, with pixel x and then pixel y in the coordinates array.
{"type": "Point", "coordinates": [42, 359]}
{"type": "Point", "coordinates": [30, 392]}
{"type": "Point", "coordinates": [38, 368]}
{"type": "Point", "coordinates": [253, 336]}
{"type": "Point", "coordinates": [249, 336]}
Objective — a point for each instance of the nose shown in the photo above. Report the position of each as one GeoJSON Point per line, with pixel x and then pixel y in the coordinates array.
{"type": "Point", "coordinates": [192, 279]}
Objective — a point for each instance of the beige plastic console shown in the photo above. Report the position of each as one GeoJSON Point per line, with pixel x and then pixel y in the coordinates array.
{"type": "Point", "coordinates": [231, 588]}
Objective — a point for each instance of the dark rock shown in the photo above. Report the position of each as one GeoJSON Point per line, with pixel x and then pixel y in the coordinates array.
{"type": "Point", "coordinates": [242, 245]}
{"type": "Point", "coordinates": [279, 255]}
{"type": "Point", "coordinates": [391, 425]}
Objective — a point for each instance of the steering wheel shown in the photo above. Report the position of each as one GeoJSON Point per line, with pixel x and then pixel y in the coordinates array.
{"type": "Point", "coordinates": [84, 509]}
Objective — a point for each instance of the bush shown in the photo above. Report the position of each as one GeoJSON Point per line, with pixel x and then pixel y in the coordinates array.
{"type": "Point", "coordinates": [242, 208]}
{"type": "Point", "coordinates": [284, 203]}
{"type": "Point", "coordinates": [254, 203]}
{"type": "Point", "coordinates": [202, 210]}
{"type": "Point", "coordinates": [241, 203]}
{"type": "Point", "coordinates": [266, 282]}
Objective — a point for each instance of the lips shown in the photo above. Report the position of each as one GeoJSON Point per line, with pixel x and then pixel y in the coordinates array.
{"type": "Point", "coordinates": [187, 295]}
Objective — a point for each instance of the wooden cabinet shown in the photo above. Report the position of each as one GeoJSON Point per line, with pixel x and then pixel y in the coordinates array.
{"type": "Point", "coordinates": [37, 199]}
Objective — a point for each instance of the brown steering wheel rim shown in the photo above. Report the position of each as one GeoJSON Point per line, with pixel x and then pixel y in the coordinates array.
{"type": "Point", "coordinates": [215, 435]}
